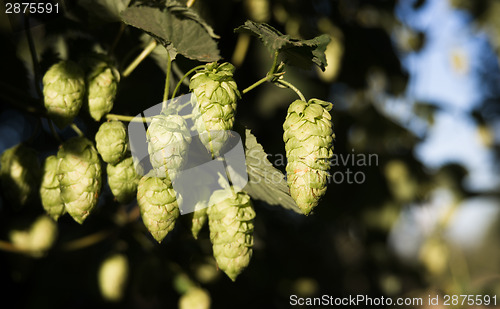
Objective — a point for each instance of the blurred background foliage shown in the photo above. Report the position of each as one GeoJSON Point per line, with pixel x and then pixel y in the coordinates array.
{"type": "Point", "coordinates": [414, 82]}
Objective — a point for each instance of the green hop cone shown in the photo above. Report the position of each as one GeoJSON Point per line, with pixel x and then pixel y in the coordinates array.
{"type": "Point", "coordinates": [158, 205]}
{"type": "Point", "coordinates": [231, 232]}
{"type": "Point", "coordinates": [50, 191]}
{"type": "Point", "coordinates": [195, 298]}
{"type": "Point", "coordinates": [123, 180]}
{"type": "Point", "coordinates": [20, 175]}
{"type": "Point", "coordinates": [308, 140]}
{"type": "Point", "coordinates": [102, 81]}
{"type": "Point", "coordinates": [168, 142]}
{"type": "Point", "coordinates": [79, 174]}
{"type": "Point", "coordinates": [216, 95]}
{"type": "Point", "coordinates": [112, 141]}
{"type": "Point", "coordinates": [63, 92]}
{"type": "Point", "coordinates": [36, 238]}
{"type": "Point", "coordinates": [112, 276]}
{"type": "Point", "coordinates": [199, 219]}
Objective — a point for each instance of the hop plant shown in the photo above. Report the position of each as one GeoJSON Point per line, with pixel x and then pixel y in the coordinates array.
{"type": "Point", "coordinates": [19, 174]}
{"type": "Point", "coordinates": [195, 298]}
{"type": "Point", "coordinates": [308, 140]}
{"type": "Point", "coordinates": [168, 142]}
{"type": "Point", "coordinates": [112, 276]}
{"type": "Point", "coordinates": [37, 238]}
{"type": "Point", "coordinates": [79, 174]}
{"type": "Point", "coordinates": [123, 180]}
{"type": "Point", "coordinates": [112, 142]}
{"type": "Point", "coordinates": [199, 219]}
{"type": "Point", "coordinates": [50, 191]}
{"type": "Point", "coordinates": [158, 205]}
{"type": "Point", "coordinates": [231, 232]}
{"type": "Point", "coordinates": [216, 95]}
{"type": "Point", "coordinates": [63, 91]}
{"type": "Point", "coordinates": [102, 81]}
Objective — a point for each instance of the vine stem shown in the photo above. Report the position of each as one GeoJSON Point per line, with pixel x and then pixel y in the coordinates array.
{"type": "Point", "coordinates": [34, 59]}
{"type": "Point", "coordinates": [145, 52]}
{"type": "Point", "coordinates": [269, 75]}
{"type": "Point", "coordinates": [167, 82]}
{"type": "Point", "coordinates": [77, 130]}
{"type": "Point", "coordinates": [289, 85]}
{"type": "Point", "coordinates": [117, 39]}
{"type": "Point", "coordinates": [128, 118]}
{"type": "Point", "coordinates": [184, 77]}
{"type": "Point", "coordinates": [54, 131]}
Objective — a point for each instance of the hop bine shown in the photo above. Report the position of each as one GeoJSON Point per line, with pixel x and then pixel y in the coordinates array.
{"type": "Point", "coordinates": [112, 142]}
{"type": "Point", "coordinates": [216, 95]}
{"type": "Point", "coordinates": [308, 140]}
{"type": "Point", "coordinates": [63, 92]}
{"type": "Point", "coordinates": [50, 191]}
{"type": "Point", "coordinates": [20, 175]}
{"type": "Point", "coordinates": [231, 232]}
{"type": "Point", "coordinates": [123, 180]}
{"type": "Point", "coordinates": [158, 205]}
{"type": "Point", "coordinates": [79, 174]}
{"type": "Point", "coordinates": [102, 81]}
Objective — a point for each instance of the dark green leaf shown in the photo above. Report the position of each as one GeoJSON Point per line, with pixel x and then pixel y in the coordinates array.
{"type": "Point", "coordinates": [180, 9]}
{"type": "Point", "coordinates": [265, 182]}
{"type": "Point", "coordinates": [107, 10]}
{"type": "Point", "coordinates": [186, 36]}
{"type": "Point", "coordinates": [301, 53]}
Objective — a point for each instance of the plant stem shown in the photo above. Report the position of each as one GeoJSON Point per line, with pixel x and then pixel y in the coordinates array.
{"type": "Point", "coordinates": [257, 83]}
{"type": "Point", "coordinates": [36, 69]}
{"type": "Point", "coordinates": [54, 131]}
{"type": "Point", "coordinates": [128, 118]}
{"type": "Point", "coordinates": [77, 130]}
{"type": "Point", "coordinates": [275, 62]}
{"type": "Point", "coordinates": [167, 82]}
{"type": "Point", "coordinates": [184, 77]}
{"type": "Point", "coordinates": [117, 38]}
{"type": "Point", "coordinates": [289, 85]}
{"type": "Point", "coordinates": [145, 52]}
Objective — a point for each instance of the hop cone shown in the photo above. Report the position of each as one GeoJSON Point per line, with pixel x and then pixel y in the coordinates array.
{"type": "Point", "coordinates": [168, 143]}
{"type": "Point", "coordinates": [231, 233]}
{"type": "Point", "coordinates": [63, 91]}
{"type": "Point", "coordinates": [50, 191]}
{"type": "Point", "coordinates": [198, 221]}
{"type": "Point", "coordinates": [113, 275]}
{"type": "Point", "coordinates": [159, 209]}
{"type": "Point", "coordinates": [216, 94]}
{"type": "Point", "coordinates": [308, 142]}
{"type": "Point", "coordinates": [111, 141]}
{"type": "Point", "coordinates": [79, 174]}
{"type": "Point", "coordinates": [37, 238]}
{"type": "Point", "coordinates": [195, 298]}
{"type": "Point", "coordinates": [19, 174]}
{"type": "Point", "coordinates": [123, 180]}
{"type": "Point", "coordinates": [102, 81]}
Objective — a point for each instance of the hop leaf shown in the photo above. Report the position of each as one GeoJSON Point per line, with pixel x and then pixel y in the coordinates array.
{"type": "Point", "coordinates": [168, 142]}
{"type": "Point", "coordinates": [123, 180]}
{"type": "Point", "coordinates": [20, 174]}
{"type": "Point", "coordinates": [79, 174]}
{"type": "Point", "coordinates": [158, 205]}
{"type": "Point", "coordinates": [50, 191]}
{"type": "Point", "coordinates": [216, 95]}
{"type": "Point", "coordinates": [308, 140]}
{"type": "Point", "coordinates": [102, 83]}
{"type": "Point", "coordinates": [63, 91]}
{"type": "Point", "coordinates": [231, 232]}
{"type": "Point", "coordinates": [195, 298]}
{"type": "Point", "coordinates": [113, 275]}
{"type": "Point", "coordinates": [111, 141]}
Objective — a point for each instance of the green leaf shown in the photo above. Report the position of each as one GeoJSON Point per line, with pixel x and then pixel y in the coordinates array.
{"type": "Point", "coordinates": [265, 182]}
{"type": "Point", "coordinates": [186, 36]}
{"type": "Point", "coordinates": [301, 53]}
{"type": "Point", "coordinates": [107, 10]}
{"type": "Point", "coordinates": [181, 10]}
